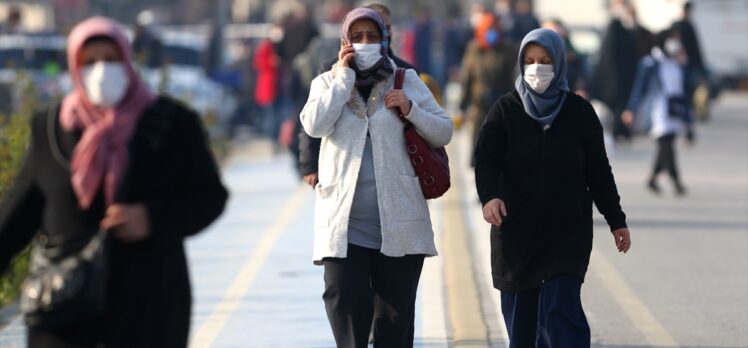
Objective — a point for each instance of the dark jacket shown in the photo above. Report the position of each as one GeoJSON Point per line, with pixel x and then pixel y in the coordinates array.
{"type": "Point", "coordinates": [613, 77]}
{"type": "Point", "coordinates": [548, 181]}
{"type": "Point", "coordinates": [171, 171]}
{"type": "Point", "coordinates": [309, 146]}
{"type": "Point", "coordinates": [691, 44]}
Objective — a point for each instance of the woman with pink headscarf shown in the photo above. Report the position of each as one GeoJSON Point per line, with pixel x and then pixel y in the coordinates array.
{"type": "Point", "coordinates": [113, 157]}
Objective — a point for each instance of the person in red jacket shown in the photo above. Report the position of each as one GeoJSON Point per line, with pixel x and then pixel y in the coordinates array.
{"type": "Point", "coordinates": [267, 65]}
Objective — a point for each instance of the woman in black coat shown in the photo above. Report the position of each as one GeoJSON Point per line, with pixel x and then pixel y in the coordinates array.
{"type": "Point", "coordinates": [540, 164]}
{"type": "Point", "coordinates": [114, 157]}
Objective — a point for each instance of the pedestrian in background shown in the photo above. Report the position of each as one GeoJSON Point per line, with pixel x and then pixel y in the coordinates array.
{"type": "Point", "coordinates": [267, 66]}
{"type": "Point", "coordinates": [371, 221]}
{"type": "Point", "coordinates": [540, 165]}
{"type": "Point", "coordinates": [613, 77]}
{"type": "Point", "coordinates": [698, 91]}
{"type": "Point", "coordinates": [659, 101]}
{"type": "Point", "coordinates": [456, 35]}
{"type": "Point", "coordinates": [574, 62]}
{"type": "Point", "coordinates": [113, 157]}
{"type": "Point", "coordinates": [488, 69]}
{"type": "Point", "coordinates": [523, 21]}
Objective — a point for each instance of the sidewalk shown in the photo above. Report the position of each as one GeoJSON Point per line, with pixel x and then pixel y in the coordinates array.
{"type": "Point", "coordinates": [684, 283]}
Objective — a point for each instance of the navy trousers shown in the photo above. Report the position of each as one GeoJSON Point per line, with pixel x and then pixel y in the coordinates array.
{"type": "Point", "coordinates": [548, 316]}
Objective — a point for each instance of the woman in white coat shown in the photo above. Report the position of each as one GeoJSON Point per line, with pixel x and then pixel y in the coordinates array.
{"type": "Point", "coordinates": [371, 221]}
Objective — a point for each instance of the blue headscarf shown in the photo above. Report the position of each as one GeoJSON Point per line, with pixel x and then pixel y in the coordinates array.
{"type": "Point", "coordinates": [544, 107]}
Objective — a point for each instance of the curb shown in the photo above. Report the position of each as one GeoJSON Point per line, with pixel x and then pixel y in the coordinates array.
{"type": "Point", "coordinates": [8, 313]}
{"type": "Point", "coordinates": [469, 328]}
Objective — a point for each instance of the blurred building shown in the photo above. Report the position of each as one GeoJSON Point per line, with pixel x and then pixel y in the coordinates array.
{"type": "Point", "coordinates": [34, 15]}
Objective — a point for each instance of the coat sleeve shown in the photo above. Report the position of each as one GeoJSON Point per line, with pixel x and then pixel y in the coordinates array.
{"type": "Point", "coordinates": [599, 174]}
{"type": "Point", "coordinates": [643, 73]}
{"type": "Point", "coordinates": [327, 96]}
{"type": "Point", "coordinates": [199, 197]}
{"type": "Point", "coordinates": [430, 120]}
{"type": "Point", "coordinates": [489, 156]}
{"type": "Point", "coordinates": [308, 153]}
{"type": "Point", "coordinates": [20, 209]}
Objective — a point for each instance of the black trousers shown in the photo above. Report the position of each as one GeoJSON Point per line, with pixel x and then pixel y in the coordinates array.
{"type": "Point", "coordinates": [365, 287]}
{"type": "Point", "coordinates": [665, 159]}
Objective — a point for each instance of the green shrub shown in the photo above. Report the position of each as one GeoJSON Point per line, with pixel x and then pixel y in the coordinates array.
{"type": "Point", "coordinates": [14, 139]}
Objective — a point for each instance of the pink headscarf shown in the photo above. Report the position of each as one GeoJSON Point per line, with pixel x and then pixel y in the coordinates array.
{"type": "Point", "coordinates": [100, 157]}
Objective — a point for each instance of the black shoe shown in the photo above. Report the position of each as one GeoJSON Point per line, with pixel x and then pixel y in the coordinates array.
{"type": "Point", "coordinates": [679, 189]}
{"type": "Point", "coordinates": [652, 186]}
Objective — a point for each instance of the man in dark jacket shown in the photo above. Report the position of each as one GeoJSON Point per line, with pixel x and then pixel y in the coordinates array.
{"type": "Point", "coordinates": [309, 146]}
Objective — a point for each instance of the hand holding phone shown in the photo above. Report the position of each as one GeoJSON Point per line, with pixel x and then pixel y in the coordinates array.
{"type": "Point", "coordinates": [345, 55]}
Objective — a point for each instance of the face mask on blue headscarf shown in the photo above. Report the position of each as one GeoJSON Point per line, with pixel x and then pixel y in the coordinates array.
{"type": "Point", "coordinates": [543, 87]}
{"type": "Point", "coordinates": [539, 76]}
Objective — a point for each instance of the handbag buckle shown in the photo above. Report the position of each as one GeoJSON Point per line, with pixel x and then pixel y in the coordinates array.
{"type": "Point", "coordinates": [429, 181]}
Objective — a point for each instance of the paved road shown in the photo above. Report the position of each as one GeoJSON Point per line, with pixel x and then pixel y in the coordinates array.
{"type": "Point", "coordinates": [684, 283]}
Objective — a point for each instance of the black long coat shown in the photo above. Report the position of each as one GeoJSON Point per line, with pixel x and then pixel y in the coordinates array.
{"type": "Point", "coordinates": [171, 171]}
{"type": "Point", "coordinates": [548, 181]}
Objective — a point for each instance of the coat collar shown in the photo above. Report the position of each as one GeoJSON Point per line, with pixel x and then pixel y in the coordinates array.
{"type": "Point", "coordinates": [363, 109]}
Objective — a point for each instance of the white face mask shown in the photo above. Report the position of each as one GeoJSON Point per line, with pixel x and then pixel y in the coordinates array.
{"type": "Point", "coordinates": [673, 47]}
{"type": "Point", "coordinates": [105, 83]}
{"type": "Point", "coordinates": [539, 76]}
{"type": "Point", "coordinates": [367, 55]}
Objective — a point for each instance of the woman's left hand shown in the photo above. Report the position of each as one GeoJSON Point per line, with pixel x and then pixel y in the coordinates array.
{"type": "Point", "coordinates": [127, 222]}
{"type": "Point", "coordinates": [397, 98]}
{"type": "Point", "coordinates": [622, 237]}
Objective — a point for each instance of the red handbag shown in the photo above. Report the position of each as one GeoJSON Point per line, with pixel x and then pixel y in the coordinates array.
{"type": "Point", "coordinates": [431, 165]}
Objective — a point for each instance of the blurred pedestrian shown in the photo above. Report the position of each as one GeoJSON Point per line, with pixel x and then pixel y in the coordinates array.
{"type": "Point", "coordinates": [659, 101]}
{"type": "Point", "coordinates": [613, 77]}
{"type": "Point", "coordinates": [523, 20]}
{"type": "Point", "coordinates": [372, 231]}
{"type": "Point", "coordinates": [488, 69]}
{"type": "Point", "coordinates": [457, 34]}
{"type": "Point", "coordinates": [298, 31]}
{"type": "Point", "coordinates": [306, 66]}
{"type": "Point", "coordinates": [112, 157]}
{"type": "Point", "coordinates": [697, 71]}
{"type": "Point", "coordinates": [575, 63]}
{"type": "Point", "coordinates": [267, 66]}
{"type": "Point", "coordinates": [146, 46]}
{"type": "Point", "coordinates": [644, 38]}
{"type": "Point", "coordinates": [212, 59]}
{"type": "Point", "coordinates": [423, 39]}
{"type": "Point", "coordinates": [540, 165]}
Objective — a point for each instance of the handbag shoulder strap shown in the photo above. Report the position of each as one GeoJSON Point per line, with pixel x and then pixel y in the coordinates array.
{"type": "Point", "coordinates": [54, 145]}
{"type": "Point", "coordinates": [399, 80]}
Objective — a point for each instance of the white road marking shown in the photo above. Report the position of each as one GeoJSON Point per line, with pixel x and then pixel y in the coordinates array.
{"type": "Point", "coordinates": [434, 329]}
{"type": "Point", "coordinates": [208, 332]}
{"type": "Point", "coordinates": [632, 305]}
